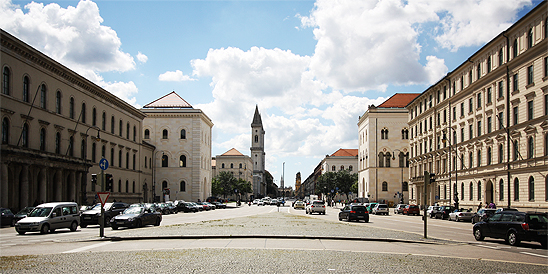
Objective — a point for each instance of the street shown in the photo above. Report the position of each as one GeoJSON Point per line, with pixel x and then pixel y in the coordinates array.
{"type": "Point", "coordinates": [269, 228]}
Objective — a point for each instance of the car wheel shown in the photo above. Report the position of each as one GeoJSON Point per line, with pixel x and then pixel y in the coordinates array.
{"type": "Point", "coordinates": [478, 235]}
{"type": "Point", "coordinates": [367, 220]}
{"type": "Point", "coordinates": [21, 232]}
{"type": "Point", "coordinates": [512, 238]}
{"type": "Point", "coordinates": [139, 223]}
{"type": "Point", "coordinates": [340, 219]}
{"type": "Point", "coordinates": [82, 225]}
{"type": "Point", "coordinates": [73, 226]}
{"type": "Point", "coordinates": [157, 222]}
{"type": "Point", "coordinates": [114, 227]}
{"type": "Point", "coordinates": [12, 222]}
{"type": "Point", "coordinates": [544, 244]}
{"type": "Point", "coordinates": [44, 229]}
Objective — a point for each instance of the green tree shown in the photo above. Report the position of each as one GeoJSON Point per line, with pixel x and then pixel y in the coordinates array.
{"type": "Point", "coordinates": [345, 180]}
{"type": "Point", "coordinates": [227, 182]}
{"type": "Point", "coordinates": [326, 182]}
{"type": "Point", "coordinates": [216, 188]}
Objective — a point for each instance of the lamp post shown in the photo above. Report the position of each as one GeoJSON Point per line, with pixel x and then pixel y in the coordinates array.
{"type": "Point", "coordinates": [456, 194]}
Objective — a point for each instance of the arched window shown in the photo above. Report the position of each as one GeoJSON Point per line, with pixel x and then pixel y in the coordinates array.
{"type": "Point", "coordinates": [164, 185]}
{"type": "Point", "coordinates": [479, 191]}
{"type": "Point", "coordinates": [182, 186]}
{"type": "Point", "coordinates": [531, 188]}
{"type": "Point", "coordinates": [127, 186]}
{"type": "Point", "coordinates": [384, 133]}
{"type": "Point", "coordinates": [404, 186]}
{"type": "Point", "coordinates": [134, 161]}
{"type": "Point", "coordinates": [25, 135]}
{"type": "Point", "coordinates": [381, 159]}
{"type": "Point", "coordinates": [350, 168]}
{"type": "Point", "coordinates": [223, 165]}
{"type": "Point", "coordinates": [103, 151]}
{"type": "Point", "coordinates": [471, 191]}
{"type": "Point", "coordinates": [164, 134]}
{"type": "Point", "coordinates": [182, 161]}
{"type": "Point", "coordinates": [71, 108]}
{"type": "Point", "coordinates": [42, 139]}
{"type": "Point", "coordinates": [134, 133]}
{"type": "Point", "coordinates": [333, 168]}
{"type": "Point", "coordinates": [112, 124]}
{"type": "Point", "coordinates": [43, 96]}
{"type": "Point", "coordinates": [164, 161]}
{"type": "Point", "coordinates": [58, 143]}
{"type": "Point", "coordinates": [147, 134]}
{"type": "Point", "coordinates": [501, 190]}
{"type": "Point", "coordinates": [240, 166]}
{"type": "Point", "coordinates": [58, 102]}
{"type": "Point", "coordinates": [256, 138]}
{"type": "Point", "coordinates": [71, 146]}
{"type": "Point", "coordinates": [127, 130]}
{"type": "Point", "coordinates": [384, 186]}
{"type": "Point", "coordinates": [183, 134]}
{"type": "Point", "coordinates": [94, 117]}
{"type": "Point", "coordinates": [5, 130]}
{"type": "Point", "coordinates": [462, 191]}
{"type": "Point", "coordinates": [530, 148]}
{"type": "Point", "coordinates": [120, 128]}
{"type": "Point", "coordinates": [120, 158]}
{"type": "Point", "coordinates": [104, 121]}
{"type": "Point", "coordinates": [387, 157]}
{"type": "Point", "coordinates": [83, 114]}
{"type": "Point", "coordinates": [127, 160]}
{"type": "Point", "coordinates": [93, 152]}
{"type": "Point", "coordinates": [6, 81]}
{"type": "Point", "coordinates": [26, 89]}
{"type": "Point", "coordinates": [516, 189]}
{"type": "Point", "coordinates": [405, 134]}
{"type": "Point", "coordinates": [231, 165]}
{"type": "Point", "coordinates": [401, 159]}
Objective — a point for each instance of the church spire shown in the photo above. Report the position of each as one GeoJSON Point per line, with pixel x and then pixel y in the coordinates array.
{"type": "Point", "coordinates": [257, 122]}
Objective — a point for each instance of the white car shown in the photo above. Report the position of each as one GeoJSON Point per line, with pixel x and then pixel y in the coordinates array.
{"type": "Point", "coordinates": [381, 209]}
{"type": "Point", "coordinates": [432, 209]}
{"type": "Point", "coordinates": [316, 207]}
{"type": "Point", "coordinates": [260, 203]}
{"type": "Point", "coordinates": [461, 215]}
{"type": "Point", "coordinates": [256, 201]}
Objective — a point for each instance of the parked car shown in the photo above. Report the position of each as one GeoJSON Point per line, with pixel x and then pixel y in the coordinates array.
{"type": "Point", "coordinates": [411, 210]}
{"type": "Point", "coordinates": [354, 212]}
{"type": "Point", "coordinates": [274, 202]}
{"type": "Point", "coordinates": [299, 205]}
{"type": "Point", "coordinates": [49, 217]}
{"type": "Point", "coordinates": [136, 217]}
{"type": "Point", "coordinates": [172, 208]}
{"type": "Point", "coordinates": [260, 203]}
{"type": "Point", "coordinates": [91, 216]}
{"type": "Point", "coordinates": [482, 214]}
{"type": "Point", "coordinates": [431, 211]}
{"type": "Point", "coordinates": [443, 212]}
{"type": "Point", "coordinates": [514, 227]}
{"type": "Point", "coordinates": [399, 208]}
{"type": "Point", "coordinates": [8, 218]}
{"type": "Point", "coordinates": [211, 206]}
{"type": "Point", "coordinates": [23, 213]}
{"type": "Point", "coordinates": [381, 209]}
{"type": "Point", "coordinates": [186, 207]}
{"type": "Point", "coordinates": [370, 206]}
{"type": "Point", "coordinates": [219, 205]}
{"type": "Point", "coordinates": [317, 206]}
{"type": "Point", "coordinates": [461, 215]}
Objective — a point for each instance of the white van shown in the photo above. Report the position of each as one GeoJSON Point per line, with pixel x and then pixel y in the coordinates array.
{"type": "Point", "coordinates": [49, 217]}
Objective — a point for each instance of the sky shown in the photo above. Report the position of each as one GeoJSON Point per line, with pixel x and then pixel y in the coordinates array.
{"type": "Point", "coordinates": [311, 67]}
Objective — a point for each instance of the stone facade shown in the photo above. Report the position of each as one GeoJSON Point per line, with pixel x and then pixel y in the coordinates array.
{"type": "Point", "coordinates": [236, 163]}
{"type": "Point", "coordinates": [493, 112]}
{"type": "Point", "coordinates": [182, 160]}
{"type": "Point", "coordinates": [57, 126]}
{"type": "Point", "coordinates": [258, 154]}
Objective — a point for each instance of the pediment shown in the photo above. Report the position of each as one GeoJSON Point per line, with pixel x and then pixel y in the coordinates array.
{"type": "Point", "coordinates": [544, 125]}
{"type": "Point", "coordinates": [530, 129]}
{"type": "Point", "coordinates": [501, 137]}
{"type": "Point", "coordinates": [515, 134]}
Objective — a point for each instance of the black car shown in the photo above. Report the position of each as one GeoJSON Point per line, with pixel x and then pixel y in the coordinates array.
{"type": "Point", "coordinates": [354, 212]}
{"type": "Point", "coordinates": [219, 205]}
{"type": "Point", "coordinates": [443, 212]}
{"type": "Point", "coordinates": [514, 227]}
{"type": "Point", "coordinates": [7, 217]}
{"type": "Point", "coordinates": [186, 207]}
{"type": "Point", "coordinates": [136, 217]}
{"type": "Point", "coordinates": [23, 213]}
{"type": "Point", "coordinates": [91, 216]}
{"type": "Point", "coordinates": [482, 214]}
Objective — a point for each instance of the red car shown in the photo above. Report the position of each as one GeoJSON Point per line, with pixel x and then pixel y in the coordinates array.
{"type": "Point", "coordinates": [411, 210]}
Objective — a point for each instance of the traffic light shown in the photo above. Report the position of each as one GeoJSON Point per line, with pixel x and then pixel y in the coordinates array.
{"type": "Point", "coordinates": [110, 182]}
{"type": "Point", "coordinates": [93, 179]}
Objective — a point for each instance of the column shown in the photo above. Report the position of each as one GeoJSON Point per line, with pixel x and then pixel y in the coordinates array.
{"type": "Point", "coordinates": [42, 185]}
{"type": "Point", "coordinates": [24, 194]}
{"type": "Point", "coordinates": [4, 186]}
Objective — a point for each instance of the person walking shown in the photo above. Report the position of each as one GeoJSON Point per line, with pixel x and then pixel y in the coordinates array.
{"type": "Point", "coordinates": [479, 206]}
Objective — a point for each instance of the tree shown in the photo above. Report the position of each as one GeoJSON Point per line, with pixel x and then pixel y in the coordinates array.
{"type": "Point", "coordinates": [345, 180]}
{"type": "Point", "coordinates": [227, 182]}
{"type": "Point", "coordinates": [216, 188]}
{"type": "Point", "coordinates": [326, 182]}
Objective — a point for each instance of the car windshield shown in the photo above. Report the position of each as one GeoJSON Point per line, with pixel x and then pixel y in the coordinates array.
{"type": "Point", "coordinates": [382, 206]}
{"type": "Point", "coordinates": [24, 211]}
{"type": "Point", "coordinates": [5, 210]}
{"type": "Point", "coordinates": [537, 218]}
{"type": "Point", "coordinates": [358, 208]}
{"type": "Point", "coordinates": [40, 212]}
{"type": "Point", "coordinates": [317, 203]}
{"type": "Point", "coordinates": [134, 210]}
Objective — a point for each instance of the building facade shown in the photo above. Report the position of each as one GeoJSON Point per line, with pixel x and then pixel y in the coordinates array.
{"type": "Point", "coordinates": [57, 126]}
{"type": "Point", "coordinates": [258, 154]}
{"type": "Point", "coordinates": [182, 159]}
{"type": "Point", "coordinates": [483, 129]}
{"type": "Point", "coordinates": [384, 135]}
{"type": "Point", "coordinates": [236, 163]}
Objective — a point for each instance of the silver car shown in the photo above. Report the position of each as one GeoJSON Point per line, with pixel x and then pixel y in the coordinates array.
{"type": "Point", "coordinates": [381, 209]}
{"type": "Point", "coordinates": [49, 217]}
{"type": "Point", "coordinates": [316, 207]}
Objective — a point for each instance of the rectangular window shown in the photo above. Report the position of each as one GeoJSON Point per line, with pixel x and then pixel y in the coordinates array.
{"type": "Point", "coordinates": [439, 120]}
{"type": "Point", "coordinates": [530, 75]}
{"type": "Point", "coordinates": [445, 87]}
{"type": "Point", "coordinates": [530, 110]}
{"type": "Point", "coordinates": [471, 105]}
{"type": "Point", "coordinates": [470, 132]}
{"type": "Point", "coordinates": [515, 82]}
{"type": "Point", "coordinates": [444, 116]}
{"type": "Point", "coordinates": [515, 115]}
{"type": "Point", "coordinates": [488, 64]}
{"type": "Point", "coordinates": [546, 104]}
{"type": "Point", "coordinates": [462, 134]}
{"type": "Point", "coordinates": [489, 95]}
{"type": "Point", "coordinates": [479, 100]}
{"type": "Point", "coordinates": [501, 89]}
{"type": "Point", "coordinates": [470, 78]}
{"type": "Point", "coordinates": [489, 122]}
{"type": "Point", "coordinates": [501, 120]}
{"type": "Point", "coordinates": [462, 109]}
{"type": "Point", "coordinates": [454, 113]}
{"type": "Point", "coordinates": [454, 89]}
{"type": "Point", "coordinates": [546, 64]}
{"type": "Point", "coordinates": [462, 82]}
{"type": "Point", "coordinates": [479, 128]}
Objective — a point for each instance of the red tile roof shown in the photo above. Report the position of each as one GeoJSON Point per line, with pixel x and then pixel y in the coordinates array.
{"type": "Point", "coordinates": [399, 100]}
{"type": "Point", "coordinates": [346, 152]}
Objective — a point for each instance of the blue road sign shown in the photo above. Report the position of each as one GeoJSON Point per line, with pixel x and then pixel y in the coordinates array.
{"type": "Point", "coordinates": [103, 164]}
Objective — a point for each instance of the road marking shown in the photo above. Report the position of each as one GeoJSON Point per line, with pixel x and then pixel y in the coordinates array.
{"type": "Point", "coordinates": [493, 247]}
{"type": "Point", "coordinates": [533, 254]}
{"type": "Point", "coordinates": [87, 247]}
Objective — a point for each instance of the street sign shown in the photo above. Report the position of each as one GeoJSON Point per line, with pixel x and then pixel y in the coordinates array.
{"type": "Point", "coordinates": [103, 196]}
{"type": "Point", "coordinates": [103, 164]}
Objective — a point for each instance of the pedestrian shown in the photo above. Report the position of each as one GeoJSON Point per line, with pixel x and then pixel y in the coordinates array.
{"type": "Point", "coordinates": [332, 203]}
{"type": "Point", "coordinates": [479, 206]}
{"type": "Point", "coordinates": [492, 205]}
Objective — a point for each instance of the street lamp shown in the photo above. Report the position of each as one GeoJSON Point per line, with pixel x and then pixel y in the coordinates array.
{"type": "Point", "coordinates": [456, 194]}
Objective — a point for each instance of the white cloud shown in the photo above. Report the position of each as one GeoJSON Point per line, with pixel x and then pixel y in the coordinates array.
{"type": "Point", "coordinates": [141, 57]}
{"type": "Point", "coordinates": [174, 76]}
{"type": "Point", "coordinates": [74, 37]}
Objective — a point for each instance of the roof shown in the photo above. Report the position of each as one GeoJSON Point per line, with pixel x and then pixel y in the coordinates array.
{"type": "Point", "coordinates": [171, 100]}
{"type": "Point", "coordinates": [232, 152]}
{"type": "Point", "coordinates": [257, 118]}
{"type": "Point", "coordinates": [345, 152]}
{"type": "Point", "coordinates": [399, 100]}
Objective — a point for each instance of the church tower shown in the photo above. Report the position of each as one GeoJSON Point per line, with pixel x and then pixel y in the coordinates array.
{"type": "Point", "coordinates": [258, 154]}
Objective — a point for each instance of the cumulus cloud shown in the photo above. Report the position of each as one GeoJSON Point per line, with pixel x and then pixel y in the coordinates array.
{"type": "Point", "coordinates": [141, 57]}
{"type": "Point", "coordinates": [73, 36]}
{"type": "Point", "coordinates": [174, 76]}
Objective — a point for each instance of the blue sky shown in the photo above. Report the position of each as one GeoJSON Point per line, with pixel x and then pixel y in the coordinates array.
{"type": "Point", "coordinates": [312, 67]}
